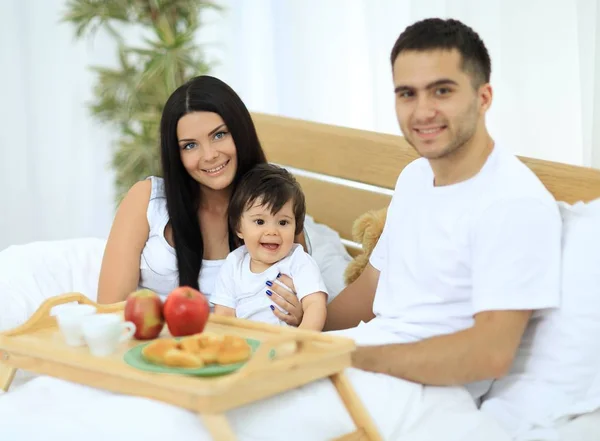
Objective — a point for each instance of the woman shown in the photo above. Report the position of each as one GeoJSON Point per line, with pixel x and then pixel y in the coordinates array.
{"type": "Point", "coordinates": [173, 231]}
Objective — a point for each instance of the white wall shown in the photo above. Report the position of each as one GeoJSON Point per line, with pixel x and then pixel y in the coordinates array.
{"type": "Point", "coordinates": [320, 60]}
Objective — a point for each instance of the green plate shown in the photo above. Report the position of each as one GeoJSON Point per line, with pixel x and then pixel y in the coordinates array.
{"type": "Point", "coordinates": [133, 357]}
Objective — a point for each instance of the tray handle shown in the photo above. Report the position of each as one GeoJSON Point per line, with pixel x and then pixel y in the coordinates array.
{"type": "Point", "coordinates": [41, 318]}
{"type": "Point", "coordinates": [288, 350]}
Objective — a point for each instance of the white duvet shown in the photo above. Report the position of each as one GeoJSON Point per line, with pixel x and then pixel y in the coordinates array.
{"type": "Point", "coordinates": [65, 411]}
{"type": "Point", "coordinates": [401, 410]}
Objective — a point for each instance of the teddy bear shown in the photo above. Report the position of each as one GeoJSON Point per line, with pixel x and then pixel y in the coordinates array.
{"type": "Point", "coordinates": [366, 230]}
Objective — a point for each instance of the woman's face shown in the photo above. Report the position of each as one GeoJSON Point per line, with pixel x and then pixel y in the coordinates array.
{"type": "Point", "coordinates": [207, 149]}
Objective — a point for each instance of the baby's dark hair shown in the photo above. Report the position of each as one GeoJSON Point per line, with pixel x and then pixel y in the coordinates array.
{"type": "Point", "coordinates": [274, 186]}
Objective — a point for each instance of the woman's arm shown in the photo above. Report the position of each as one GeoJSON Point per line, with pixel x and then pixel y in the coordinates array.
{"type": "Point", "coordinates": [120, 271]}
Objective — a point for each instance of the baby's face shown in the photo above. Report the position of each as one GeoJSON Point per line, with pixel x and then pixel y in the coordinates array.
{"type": "Point", "coordinates": [268, 237]}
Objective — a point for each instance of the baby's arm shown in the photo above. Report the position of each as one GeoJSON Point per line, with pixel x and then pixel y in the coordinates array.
{"type": "Point", "coordinates": [307, 279]}
{"type": "Point", "coordinates": [315, 311]}
{"type": "Point", "coordinates": [224, 310]}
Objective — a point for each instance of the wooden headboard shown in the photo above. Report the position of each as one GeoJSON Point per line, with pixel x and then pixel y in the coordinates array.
{"type": "Point", "coordinates": [345, 172]}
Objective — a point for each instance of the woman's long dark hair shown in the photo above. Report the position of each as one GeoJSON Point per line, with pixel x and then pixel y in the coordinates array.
{"type": "Point", "coordinates": [203, 93]}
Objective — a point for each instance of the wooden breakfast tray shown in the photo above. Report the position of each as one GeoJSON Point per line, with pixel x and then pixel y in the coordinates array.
{"type": "Point", "coordinates": [38, 346]}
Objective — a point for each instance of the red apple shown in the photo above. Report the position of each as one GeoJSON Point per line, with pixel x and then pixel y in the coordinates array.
{"type": "Point", "coordinates": [144, 309]}
{"type": "Point", "coordinates": [186, 311]}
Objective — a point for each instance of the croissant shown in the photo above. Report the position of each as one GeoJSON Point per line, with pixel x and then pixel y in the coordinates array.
{"type": "Point", "coordinates": [198, 350]}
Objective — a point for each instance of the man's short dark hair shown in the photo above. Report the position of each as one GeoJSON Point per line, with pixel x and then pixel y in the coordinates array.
{"type": "Point", "coordinates": [274, 186]}
{"type": "Point", "coordinates": [436, 33]}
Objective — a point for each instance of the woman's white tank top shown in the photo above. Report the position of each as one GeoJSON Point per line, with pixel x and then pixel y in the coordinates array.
{"type": "Point", "coordinates": [158, 263]}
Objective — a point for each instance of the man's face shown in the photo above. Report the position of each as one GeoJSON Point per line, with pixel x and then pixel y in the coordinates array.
{"type": "Point", "coordinates": [436, 105]}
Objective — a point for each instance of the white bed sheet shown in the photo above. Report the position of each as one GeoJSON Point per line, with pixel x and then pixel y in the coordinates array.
{"type": "Point", "coordinates": [583, 428]}
{"type": "Point", "coordinates": [84, 412]}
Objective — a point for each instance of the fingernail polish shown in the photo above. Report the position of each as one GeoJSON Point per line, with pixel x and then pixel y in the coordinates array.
{"type": "Point", "coordinates": [269, 283]}
{"type": "Point", "coordinates": [272, 307]}
{"type": "Point", "coordinates": [269, 292]}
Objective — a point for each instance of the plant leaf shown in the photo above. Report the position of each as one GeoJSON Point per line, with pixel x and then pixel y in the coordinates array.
{"type": "Point", "coordinates": [130, 97]}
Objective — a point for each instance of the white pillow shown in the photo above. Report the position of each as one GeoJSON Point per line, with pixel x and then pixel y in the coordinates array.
{"type": "Point", "coordinates": [559, 359]}
{"type": "Point", "coordinates": [31, 273]}
{"type": "Point", "coordinates": [326, 247]}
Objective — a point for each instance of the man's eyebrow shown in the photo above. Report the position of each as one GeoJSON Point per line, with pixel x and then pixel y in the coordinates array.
{"type": "Point", "coordinates": [437, 83]}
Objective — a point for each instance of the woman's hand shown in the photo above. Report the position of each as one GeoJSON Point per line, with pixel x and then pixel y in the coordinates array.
{"type": "Point", "coordinates": [286, 300]}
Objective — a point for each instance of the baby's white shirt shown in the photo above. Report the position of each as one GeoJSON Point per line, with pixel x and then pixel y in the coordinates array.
{"type": "Point", "coordinates": [239, 288]}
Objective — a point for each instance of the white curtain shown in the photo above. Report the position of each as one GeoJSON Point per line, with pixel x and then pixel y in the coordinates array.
{"type": "Point", "coordinates": [55, 181]}
{"type": "Point", "coordinates": [322, 60]}
{"type": "Point", "coordinates": [328, 61]}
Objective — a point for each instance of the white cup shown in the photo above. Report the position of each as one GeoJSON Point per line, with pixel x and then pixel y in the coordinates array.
{"type": "Point", "coordinates": [104, 332]}
{"type": "Point", "coordinates": [69, 318]}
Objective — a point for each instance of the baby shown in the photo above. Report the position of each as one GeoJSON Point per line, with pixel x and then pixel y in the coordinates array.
{"type": "Point", "coordinates": [267, 211]}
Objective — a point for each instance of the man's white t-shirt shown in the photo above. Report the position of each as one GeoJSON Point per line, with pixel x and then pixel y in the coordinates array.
{"type": "Point", "coordinates": [492, 242]}
{"type": "Point", "coordinates": [239, 288]}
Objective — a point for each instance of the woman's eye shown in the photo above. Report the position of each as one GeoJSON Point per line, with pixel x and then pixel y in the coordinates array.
{"type": "Point", "coordinates": [220, 135]}
{"type": "Point", "coordinates": [189, 145]}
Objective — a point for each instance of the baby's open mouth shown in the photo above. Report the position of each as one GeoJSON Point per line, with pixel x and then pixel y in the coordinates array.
{"type": "Point", "coordinates": [270, 246]}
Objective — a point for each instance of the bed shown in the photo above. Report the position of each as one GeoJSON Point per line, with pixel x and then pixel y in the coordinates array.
{"type": "Point", "coordinates": [344, 173]}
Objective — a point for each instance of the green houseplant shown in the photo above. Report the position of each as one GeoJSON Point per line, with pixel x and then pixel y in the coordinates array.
{"type": "Point", "coordinates": [130, 97]}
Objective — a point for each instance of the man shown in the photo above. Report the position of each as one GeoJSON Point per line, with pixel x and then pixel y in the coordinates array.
{"type": "Point", "coordinates": [470, 248]}
{"type": "Point", "coordinates": [471, 245]}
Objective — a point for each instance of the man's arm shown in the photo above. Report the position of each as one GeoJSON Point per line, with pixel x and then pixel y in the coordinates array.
{"type": "Point", "coordinates": [515, 258]}
{"type": "Point", "coordinates": [354, 303]}
{"type": "Point", "coordinates": [482, 352]}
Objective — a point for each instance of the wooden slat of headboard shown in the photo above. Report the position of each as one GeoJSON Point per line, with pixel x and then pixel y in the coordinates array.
{"type": "Point", "coordinates": [567, 183]}
{"type": "Point", "coordinates": [377, 159]}
{"type": "Point", "coordinates": [357, 155]}
{"type": "Point", "coordinates": [338, 205]}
